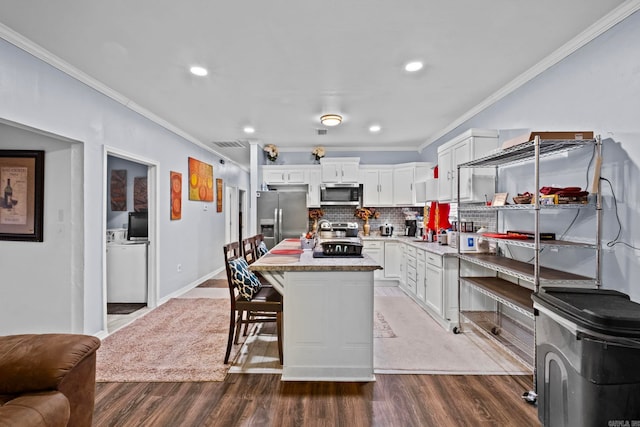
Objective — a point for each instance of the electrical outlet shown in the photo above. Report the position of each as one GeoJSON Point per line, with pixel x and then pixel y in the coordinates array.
{"type": "Point", "coordinates": [179, 268]}
{"type": "Point", "coordinates": [206, 207]}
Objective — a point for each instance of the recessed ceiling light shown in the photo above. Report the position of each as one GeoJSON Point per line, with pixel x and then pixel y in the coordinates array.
{"type": "Point", "coordinates": [249, 129]}
{"type": "Point", "coordinates": [413, 66]}
{"type": "Point", "coordinates": [374, 128]}
{"type": "Point", "coordinates": [198, 71]}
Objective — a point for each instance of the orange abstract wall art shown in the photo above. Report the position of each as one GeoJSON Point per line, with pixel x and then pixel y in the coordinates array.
{"type": "Point", "coordinates": [200, 181]}
{"type": "Point", "coordinates": [176, 195]}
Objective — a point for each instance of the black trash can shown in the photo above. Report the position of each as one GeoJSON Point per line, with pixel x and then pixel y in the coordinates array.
{"type": "Point", "coordinates": [587, 357]}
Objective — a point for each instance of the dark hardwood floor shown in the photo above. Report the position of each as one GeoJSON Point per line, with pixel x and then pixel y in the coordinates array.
{"type": "Point", "coordinates": [263, 400]}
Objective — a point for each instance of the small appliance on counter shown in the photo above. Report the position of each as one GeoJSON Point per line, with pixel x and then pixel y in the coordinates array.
{"type": "Point", "coordinates": [350, 229]}
{"type": "Point", "coordinates": [410, 227]}
{"type": "Point", "coordinates": [443, 239]}
{"type": "Point", "coordinates": [386, 230]}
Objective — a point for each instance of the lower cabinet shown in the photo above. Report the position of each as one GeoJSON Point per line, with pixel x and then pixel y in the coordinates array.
{"type": "Point", "coordinates": [375, 249]}
{"type": "Point", "coordinates": [388, 255]}
{"type": "Point", "coordinates": [431, 281]}
{"type": "Point", "coordinates": [392, 256]}
{"type": "Point", "coordinates": [434, 294]}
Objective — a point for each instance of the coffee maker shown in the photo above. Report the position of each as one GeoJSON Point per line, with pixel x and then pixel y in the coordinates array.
{"type": "Point", "coordinates": [410, 227]}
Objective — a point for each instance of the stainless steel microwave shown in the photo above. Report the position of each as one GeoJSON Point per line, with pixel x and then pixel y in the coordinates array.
{"type": "Point", "coordinates": [341, 194]}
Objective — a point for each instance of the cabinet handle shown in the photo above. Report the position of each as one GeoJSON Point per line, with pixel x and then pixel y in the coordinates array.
{"type": "Point", "coordinates": [283, 176]}
{"type": "Point", "coordinates": [342, 173]}
{"type": "Point", "coordinates": [411, 186]}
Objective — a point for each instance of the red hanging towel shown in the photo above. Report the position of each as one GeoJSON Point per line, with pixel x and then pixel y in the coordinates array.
{"type": "Point", "coordinates": [439, 213]}
{"type": "Point", "coordinates": [439, 217]}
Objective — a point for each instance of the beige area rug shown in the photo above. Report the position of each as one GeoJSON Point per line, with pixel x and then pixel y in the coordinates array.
{"type": "Point", "coordinates": [183, 340]}
{"type": "Point", "coordinates": [381, 328]}
{"type": "Point", "coordinates": [422, 346]}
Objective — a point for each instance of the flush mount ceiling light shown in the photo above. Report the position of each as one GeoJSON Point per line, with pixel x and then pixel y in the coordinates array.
{"type": "Point", "coordinates": [198, 71]}
{"type": "Point", "coordinates": [413, 66]}
{"type": "Point", "coordinates": [249, 129]}
{"type": "Point", "coordinates": [331, 119]}
{"type": "Point", "coordinates": [374, 128]}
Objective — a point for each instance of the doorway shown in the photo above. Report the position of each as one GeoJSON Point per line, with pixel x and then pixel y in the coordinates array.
{"type": "Point", "coordinates": [130, 255]}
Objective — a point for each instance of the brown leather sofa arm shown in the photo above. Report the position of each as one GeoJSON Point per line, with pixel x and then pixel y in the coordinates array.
{"type": "Point", "coordinates": [40, 362]}
{"type": "Point", "coordinates": [47, 377]}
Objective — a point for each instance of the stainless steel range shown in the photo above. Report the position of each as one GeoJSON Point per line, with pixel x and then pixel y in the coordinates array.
{"type": "Point", "coordinates": [338, 229]}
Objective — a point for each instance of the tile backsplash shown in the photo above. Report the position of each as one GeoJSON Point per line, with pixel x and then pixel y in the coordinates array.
{"type": "Point", "coordinates": [395, 217]}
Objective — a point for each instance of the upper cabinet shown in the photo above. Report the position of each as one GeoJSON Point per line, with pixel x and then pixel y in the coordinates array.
{"type": "Point", "coordinates": [377, 185]}
{"type": "Point", "coordinates": [313, 192]}
{"type": "Point", "coordinates": [278, 174]}
{"type": "Point", "coordinates": [340, 170]}
{"type": "Point", "coordinates": [405, 177]}
{"type": "Point", "coordinates": [474, 184]}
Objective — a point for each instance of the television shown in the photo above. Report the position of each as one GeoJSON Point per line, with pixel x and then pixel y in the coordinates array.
{"type": "Point", "coordinates": [138, 228]}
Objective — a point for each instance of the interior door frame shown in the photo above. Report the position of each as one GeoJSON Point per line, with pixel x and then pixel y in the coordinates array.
{"type": "Point", "coordinates": [230, 214]}
{"type": "Point", "coordinates": [153, 195]}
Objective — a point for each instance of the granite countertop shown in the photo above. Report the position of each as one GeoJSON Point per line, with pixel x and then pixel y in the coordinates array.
{"type": "Point", "coordinates": [433, 247]}
{"type": "Point", "coordinates": [306, 262]}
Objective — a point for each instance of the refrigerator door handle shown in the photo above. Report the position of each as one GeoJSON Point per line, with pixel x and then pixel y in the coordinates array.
{"type": "Point", "coordinates": [280, 225]}
{"type": "Point", "coordinates": [276, 230]}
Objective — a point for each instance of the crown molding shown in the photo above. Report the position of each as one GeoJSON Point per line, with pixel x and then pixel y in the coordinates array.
{"type": "Point", "coordinates": [341, 148]}
{"type": "Point", "coordinates": [44, 55]}
{"type": "Point", "coordinates": [614, 17]}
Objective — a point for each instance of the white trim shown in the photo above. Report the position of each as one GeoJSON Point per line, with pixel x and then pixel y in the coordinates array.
{"type": "Point", "coordinates": [41, 53]}
{"type": "Point", "coordinates": [360, 148]}
{"type": "Point", "coordinates": [601, 26]}
{"type": "Point", "coordinates": [153, 264]}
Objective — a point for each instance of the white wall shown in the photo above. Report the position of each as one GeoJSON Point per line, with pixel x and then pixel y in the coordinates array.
{"type": "Point", "coordinates": [38, 95]}
{"type": "Point", "coordinates": [40, 275]}
{"type": "Point", "coordinates": [596, 88]}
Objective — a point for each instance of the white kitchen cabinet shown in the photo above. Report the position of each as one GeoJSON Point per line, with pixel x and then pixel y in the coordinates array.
{"type": "Point", "coordinates": [427, 190]}
{"type": "Point", "coordinates": [434, 288]}
{"type": "Point", "coordinates": [278, 174]}
{"type": "Point", "coordinates": [474, 184]}
{"type": "Point", "coordinates": [392, 254]}
{"type": "Point", "coordinates": [403, 266]}
{"type": "Point", "coordinates": [377, 186]}
{"type": "Point", "coordinates": [340, 170]}
{"type": "Point", "coordinates": [410, 254]}
{"type": "Point", "coordinates": [405, 177]}
{"type": "Point", "coordinates": [421, 279]}
{"type": "Point", "coordinates": [314, 179]}
{"type": "Point", "coordinates": [375, 249]}
{"type": "Point", "coordinates": [431, 280]}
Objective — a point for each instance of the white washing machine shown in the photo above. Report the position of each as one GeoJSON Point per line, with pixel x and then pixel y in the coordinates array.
{"type": "Point", "coordinates": [127, 272]}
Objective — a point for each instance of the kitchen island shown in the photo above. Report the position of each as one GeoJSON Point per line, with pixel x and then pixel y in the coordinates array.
{"type": "Point", "coordinates": [328, 313]}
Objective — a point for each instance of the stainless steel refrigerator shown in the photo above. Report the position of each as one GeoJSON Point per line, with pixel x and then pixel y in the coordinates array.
{"type": "Point", "coordinates": [282, 214]}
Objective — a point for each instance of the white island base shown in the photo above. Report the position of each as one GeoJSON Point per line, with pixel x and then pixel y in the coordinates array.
{"type": "Point", "coordinates": [327, 321]}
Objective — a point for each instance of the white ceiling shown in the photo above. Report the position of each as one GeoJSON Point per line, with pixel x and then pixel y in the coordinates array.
{"type": "Point", "coordinates": [278, 65]}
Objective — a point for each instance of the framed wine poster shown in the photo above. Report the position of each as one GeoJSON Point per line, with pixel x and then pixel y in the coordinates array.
{"type": "Point", "coordinates": [22, 192]}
